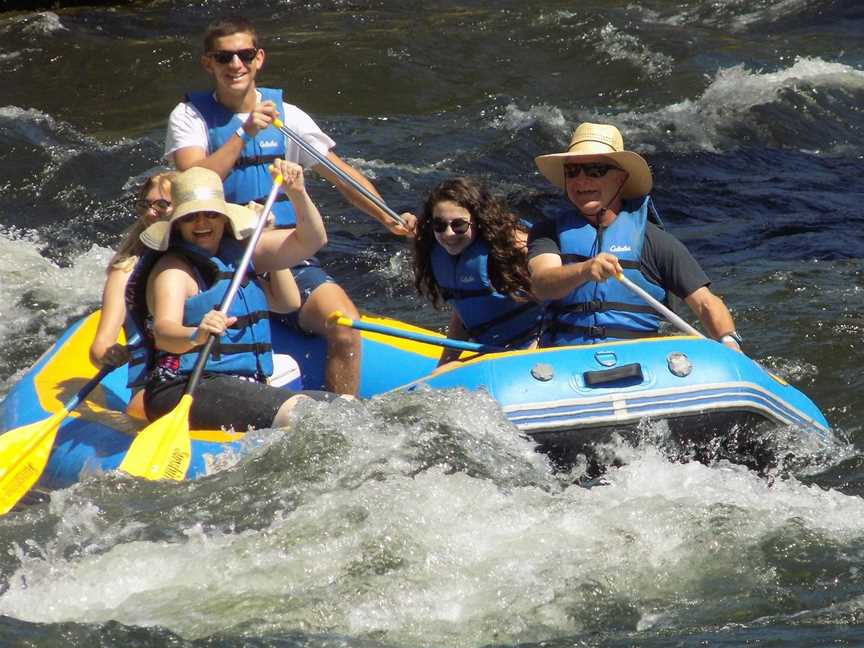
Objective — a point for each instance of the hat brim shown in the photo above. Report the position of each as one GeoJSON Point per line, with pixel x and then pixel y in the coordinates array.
{"type": "Point", "coordinates": [639, 178]}
{"type": "Point", "coordinates": [241, 221]}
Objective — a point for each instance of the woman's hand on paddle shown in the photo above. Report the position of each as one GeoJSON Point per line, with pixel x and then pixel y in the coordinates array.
{"type": "Point", "coordinates": [215, 322]}
{"type": "Point", "coordinates": [293, 181]}
{"type": "Point", "coordinates": [115, 355]}
{"type": "Point", "coordinates": [604, 266]}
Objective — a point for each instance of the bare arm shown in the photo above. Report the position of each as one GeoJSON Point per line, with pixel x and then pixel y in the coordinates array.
{"type": "Point", "coordinates": [360, 201]}
{"type": "Point", "coordinates": [712, 312]}
{"type": "Point", "coordinates": [552, 279]}
{"type": "Point", "coordinates": [283, 296]}
{"type": "Point", "coordinates": [278, 249]}
{"type": "Point", "coordinates": [168, 287]}
{"type": "Point", "coordinates": [105, 349]}
{"type": "Point", "coordinates": [455, 331]}
{"type": "Point", "coordinates": [222, 160]}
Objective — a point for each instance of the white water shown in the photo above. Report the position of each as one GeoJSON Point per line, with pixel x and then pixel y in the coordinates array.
{"type": "Point", "coordinates": [705, 122]}
{"type": "Point", "coordinates": [425, 519]}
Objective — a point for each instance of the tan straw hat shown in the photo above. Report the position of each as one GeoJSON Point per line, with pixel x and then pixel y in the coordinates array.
{"type": "Point", "coordinates": [197, 190]}
{"type": "Point", "coordinates": [599, 140]}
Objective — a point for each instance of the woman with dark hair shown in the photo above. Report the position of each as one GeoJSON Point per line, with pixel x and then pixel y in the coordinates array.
{"type": "Point", "coordinates": [471, 252]}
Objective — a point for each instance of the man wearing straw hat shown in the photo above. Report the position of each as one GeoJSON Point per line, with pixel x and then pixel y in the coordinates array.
{"type": "Point", "coordinates": [613, 230]}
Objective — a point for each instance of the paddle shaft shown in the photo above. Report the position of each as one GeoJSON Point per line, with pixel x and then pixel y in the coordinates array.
{"type": "Point", "coordinates": [341, 320]}
{"type": "Point", "coordinates": [311, 150]}
{"type": "Point", "coordinates": [683, 326]}
{"type": "Point", "coordinates": [91, 384]}
{"type": "Point", "coordinates": [236, 280]}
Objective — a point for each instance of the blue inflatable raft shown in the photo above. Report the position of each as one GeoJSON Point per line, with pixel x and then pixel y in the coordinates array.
{"type": "Point", "coordinates": [570, 398]}
{"type": "Point", "coordinates": [567, 399]}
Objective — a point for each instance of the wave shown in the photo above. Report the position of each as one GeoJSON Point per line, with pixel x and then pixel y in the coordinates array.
{"type": "Point", "coordinates": [39, 297]}
{"type": "Point", "coordinates": [40, 23]}
{"type": "Point", "coordinates": [740, 16]}
{"type": "Point", "coordinates": [424, 519]}
{"type": "Point", "coordinates": [620, 45]}
{"type": "Point", "coordinates": [812, 105]}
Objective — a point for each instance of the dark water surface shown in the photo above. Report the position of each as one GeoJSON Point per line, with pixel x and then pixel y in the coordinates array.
{"type": "Point", "coordinates": [424, 519]}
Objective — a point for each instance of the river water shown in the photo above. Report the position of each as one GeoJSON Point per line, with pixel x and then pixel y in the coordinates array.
{"type": "Point", "coordinates": [425, 519]}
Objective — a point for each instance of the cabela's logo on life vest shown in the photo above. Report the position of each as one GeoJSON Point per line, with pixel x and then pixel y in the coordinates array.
{"type": "Point", "coordinates": [619, 248]}
{"type": "Point", "coordinates": [269, 144]}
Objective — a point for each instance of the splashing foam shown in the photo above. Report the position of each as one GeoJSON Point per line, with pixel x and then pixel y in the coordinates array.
{"type": "Point", "coordinates": [627, 47]}
{"type": "Point", "coordinates": [515, 119]}
{"type": "Point", "coordinates": [37, 297]}
{"type": "Point", "coordinates": [426, 519]}
{"type": "Point", "coordinates": [724, 105]}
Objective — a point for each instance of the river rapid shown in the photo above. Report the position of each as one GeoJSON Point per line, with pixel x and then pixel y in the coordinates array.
{"type": "Point", "coordinates": [425, 519]}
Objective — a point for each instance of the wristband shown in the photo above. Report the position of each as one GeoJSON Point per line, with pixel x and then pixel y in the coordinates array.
{"type": "Point", "coordinates": [242, 134]}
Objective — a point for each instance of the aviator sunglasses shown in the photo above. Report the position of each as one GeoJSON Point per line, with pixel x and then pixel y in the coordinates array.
{"type": "Point", "coordinates": [223, 57]}
{"type": "Point", "coordinates": [592, 169]}
{"type": "Point", "coordinates": [458, 225]}
{"type": "Point", "coordinates": [160, 204]}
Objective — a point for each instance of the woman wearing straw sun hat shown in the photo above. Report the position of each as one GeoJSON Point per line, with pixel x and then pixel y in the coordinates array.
{"type": "Point", "coordinates": [612, 230]}
{"type": "Point", "coordinates": [201, 245]}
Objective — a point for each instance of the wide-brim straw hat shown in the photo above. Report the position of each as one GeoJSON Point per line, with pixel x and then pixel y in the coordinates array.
{"type": "Point", "coordinates": [197, 190]}
{"type": "Point", "coordinates": [599, 140]}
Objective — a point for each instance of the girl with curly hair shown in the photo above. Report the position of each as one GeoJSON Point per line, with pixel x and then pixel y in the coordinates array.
{"type": "Point", "coordinates": [471, 252]}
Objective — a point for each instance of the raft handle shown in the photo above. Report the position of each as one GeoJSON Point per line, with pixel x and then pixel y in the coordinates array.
{"type": "Point", "coordinates": [630, 372]}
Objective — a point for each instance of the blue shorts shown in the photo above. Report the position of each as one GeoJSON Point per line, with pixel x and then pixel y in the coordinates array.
{"type": "Point", "coordinates": [308, 275]}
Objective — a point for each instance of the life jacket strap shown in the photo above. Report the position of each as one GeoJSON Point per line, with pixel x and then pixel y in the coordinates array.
{"type": "Point", "coordinates": [579, 258]}
{"type": "Point", "coordinates": [249, 319]}
{"type": "Point", "coordinates": [245, 162]}
{"type": "Point", "coordinates": [600, 331]}
{"type": "Point", "coordinates": [227, 349]}
{"type": "Point", "coordinates": [479, 329]}
{"type": "Point", "coordinates": [456, 293]}
{"type": "Point", "coordinates": [598, 306]}
{"type": "Point", "coordinates": [228, 276]}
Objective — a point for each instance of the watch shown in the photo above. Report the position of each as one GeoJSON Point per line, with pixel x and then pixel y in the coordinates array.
{"type": "Point", "coordinates": [733, 337]}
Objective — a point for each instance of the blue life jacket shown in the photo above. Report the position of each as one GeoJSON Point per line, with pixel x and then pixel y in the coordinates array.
{"type": "Point", "coordinates": [245, 348]}
{"type": "Point", "coordinates": [249, 179]}
{"type": "Point", "coordinates": [489, 317]}
{"type": "Point", "coordinates": [606, 310]}
{"type": "Point", "coordinates": [142, 354]}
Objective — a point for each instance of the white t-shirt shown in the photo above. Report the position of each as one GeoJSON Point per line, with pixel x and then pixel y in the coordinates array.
{"type": "Point", "coordinates": [186, 127]}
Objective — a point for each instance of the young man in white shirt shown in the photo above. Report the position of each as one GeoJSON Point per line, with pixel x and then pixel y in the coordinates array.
{"type": "Point", "coordinates": [230, 131]}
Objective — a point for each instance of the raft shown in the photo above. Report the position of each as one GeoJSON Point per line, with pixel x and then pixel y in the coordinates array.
{"type": "Point", "coordinates": [567, 399]}
{"type": "Point", "coordinates": [711, 398]}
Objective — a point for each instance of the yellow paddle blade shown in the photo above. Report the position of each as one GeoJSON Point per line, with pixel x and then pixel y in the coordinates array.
{"type": "Point", "coordinates": [162, 450]}
{"type": "Point", "coordinates": [24, 454]}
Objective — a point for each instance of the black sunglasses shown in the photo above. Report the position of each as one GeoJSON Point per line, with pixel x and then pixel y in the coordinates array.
{"type": "Point", "coordinates": [160, 204]}
{"type": "Point", "coordinates": [592, 170]}
{"type": "Point", "coordinates": [458, 225]}
{"type": "Point", "coordinates": [223, 57]}
{"type": "Point", "coordinates": [193, 216]}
